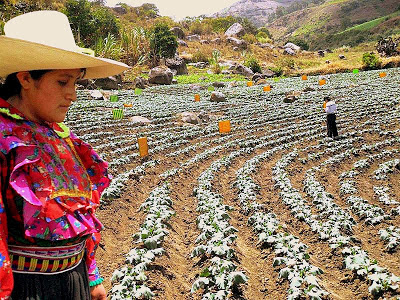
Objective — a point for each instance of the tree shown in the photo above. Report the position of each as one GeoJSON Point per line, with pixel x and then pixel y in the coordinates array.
{"type": "Point", "coordinates": [163, 42]}
{"type": "Point", "coordinates": [80, 15]}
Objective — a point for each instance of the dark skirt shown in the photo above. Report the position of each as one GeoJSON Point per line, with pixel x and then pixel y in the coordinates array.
{"type": "Point", "coordinates": [70, 285]}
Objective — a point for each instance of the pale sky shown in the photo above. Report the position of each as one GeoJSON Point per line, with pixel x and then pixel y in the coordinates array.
{"type": "Point", "coordinates": [179, 9]}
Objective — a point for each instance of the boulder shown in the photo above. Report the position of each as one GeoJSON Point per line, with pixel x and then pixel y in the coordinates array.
{"type": "Point", "coordinates": [177, 64]}
{"type": "Point", "coordinates": [96, 94]}
{"type": "Point", "coordinates": [204, 117]}
{"type": "Point", "coordinates": [240, 69]}
{"type": "Point", "coordinates": [321, 53]}
{"type": "Point", "coordinates": [236, 30]}
{"type": "Point", "coordinates": [266, 45]}
{"type": "Point", "coordinates": [292, 46]}
{"type": "Point", "coordinates": [200, 65]}
{"type": "Point", "coordinates": [203, 42]}
{"type": "Point", "coordinates": [119, 10]}
{"type": "Point", "coordinates": [189, 117]}
{"type": "Point", "coordinates": [289, 51]}
{"type": "Point", "coordinates": [232, 84]}
{"type": "Point", "coordinates": [235, 49]}
{"type": "Point", "coordinates": [216, 41]}
{"type": "Point", "coordinates": [308, 89]}
{"type": "Point", "coordinates": [289, 99]}
{"type": "Point", "coordinates": [225, 72]}
{"type": "Point", "coordinates": [197, 87]}
{"type": "Point", "coordinates": [217, 97]}
{"type": "Point", "coordinates": [327, 61]}
{"type": "Point", "coordinates": [256, 77]}
{"type": "Point", "coordinates": [139, 120]}
{"type": "Point", "coordinates": [341, 56]}
{"type": "Point", "coordinates": [108, 83]}
{"type": "Point", "coordinates": [268, 73]}
{"type": "Point", "coordinates": [218, 84]}
{"type": "Point", "coordinates": [260, 81]}
{"type": "Point", "coordinates": [237, 42]}
{"type": "Point", "coordinates": [140, 82]}
{"type": "Point", "coordinates": [193, 38]}
{"type": "Point", "coordinates": [174, 81]}
{"type": "Point", "coordinates": [178, 32]}
{"type": "Point", "coordinates": [182, 43]}
{"type": "Point", "coordinates": [160, 75]}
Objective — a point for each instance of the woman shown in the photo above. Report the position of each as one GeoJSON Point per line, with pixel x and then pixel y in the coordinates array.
{"type": "Point", "coordinates": [50, 181]}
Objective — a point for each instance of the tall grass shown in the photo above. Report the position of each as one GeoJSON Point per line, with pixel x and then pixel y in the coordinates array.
{"type": "Point", "coordinates": [135, 45]}
{"type": "Point", "coordinates": [108, 47]}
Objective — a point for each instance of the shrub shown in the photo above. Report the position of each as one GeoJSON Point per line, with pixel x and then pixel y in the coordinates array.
{"type": "Point", "coordinates": [163, 42]}
{"type": "Point", "coordinates": [214, 61]}
{"type": "Point", "coordinates": [299, 42]}
{"type": "Point", "coordinates": [253, 64]}
{"type": "Point", "coordinates": [200, 56]}
{"type": "Point", "coordinates": [286, 63]}
{"type": "Point", "coordinates": [221, 24]}
{"type": "Point", "coordinates": [201, 28]}
{"type": "Point", "coordinates": [277, 70]}
{"type": "Point", "coordinates": [264, 31]}
{"type": "Point", "coordinates": [371, 61]}
{"type": "Point", "coordinates": [249, 38]}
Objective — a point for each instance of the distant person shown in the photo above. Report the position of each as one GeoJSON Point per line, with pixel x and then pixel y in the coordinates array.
{"type": "Point", "coordinates": [331, 109]}
{"type": "Point", "coordinates": [50, 180]}
{"type": "Point", "coordinates": [326, 99]}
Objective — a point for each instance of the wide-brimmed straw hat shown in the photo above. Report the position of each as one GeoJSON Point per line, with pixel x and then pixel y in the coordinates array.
{"type": "Point", "coordinates": [43, 40]}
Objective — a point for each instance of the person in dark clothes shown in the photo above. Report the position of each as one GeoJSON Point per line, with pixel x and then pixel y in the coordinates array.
{"type": "Point", "coordinates": [331, 109]}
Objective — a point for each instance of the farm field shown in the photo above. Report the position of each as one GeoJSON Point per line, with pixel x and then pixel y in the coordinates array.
{"type": "Point", "coordinates": [272, 210]}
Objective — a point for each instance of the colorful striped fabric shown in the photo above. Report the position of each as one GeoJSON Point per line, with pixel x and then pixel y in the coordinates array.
{"type": "Point", "coordinates": [45, 260]}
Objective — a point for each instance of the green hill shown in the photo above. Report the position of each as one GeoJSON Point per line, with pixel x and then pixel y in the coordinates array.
{"type": "Point", "coordinates": [339, 22]}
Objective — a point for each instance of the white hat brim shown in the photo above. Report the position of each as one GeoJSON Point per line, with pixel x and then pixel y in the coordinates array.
{"type": "Point", "coordinates": [20, 55]}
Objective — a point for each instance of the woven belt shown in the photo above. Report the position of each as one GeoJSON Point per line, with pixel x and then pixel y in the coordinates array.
{"type": "Point", "coordinates": [45, 260]}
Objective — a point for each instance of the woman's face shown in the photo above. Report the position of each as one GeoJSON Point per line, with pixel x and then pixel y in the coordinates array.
{"type": "Point", "coordinates": [49, 98]}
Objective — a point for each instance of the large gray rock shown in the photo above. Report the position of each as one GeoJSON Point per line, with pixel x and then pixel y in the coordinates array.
{"type": "Point", "coordinates": [217, 97]}
{"type": "Point", "coordinates": [268, 73]}
{"type": "Point", "coordinates": [200, 64]}
{"type": "Point", "coordinates": [96, 94]}
{"type": "Point", "coordinates": [218, 84]}
{"type": "Point", "coordinates": [189, 117]}
{"type": "Point", "coordinates": [240, 69]}
{"type": "Point", "coordinates": [140, 82]}
{"type": "Point", "coordinates": [182, 43]}
{"type": "Point", "coordinates": [178, 32]}
{"type": "Point", "coordinates": [237, 42]}
{"type": "Point", "coordinates": [160, 75]}
{"type": "Point", "coordinates": [236, 30]}
{"type": "Point", "coordinates": [292, 46]}
{"type": "Point", "coordinates": [178, 64]}
{"type": "Point", "coordinates": [266, 45]}
{"type": "Point", "coordinates": [108, 83]}
{"type": "Point", "coordinates": [139, 120]}
{"type": "Point", "coordinates": [216, 41]}
{"type": "Point", "coordinates": [289, 51]}
{"type": "Point", "coordinates": [193, 38]}
{"type": "Point", "coordinates": [289, 99]}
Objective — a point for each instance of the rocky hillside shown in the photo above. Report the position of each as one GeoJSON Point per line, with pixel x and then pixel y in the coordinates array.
{"type": "Point", "coordinates": [257, 11]}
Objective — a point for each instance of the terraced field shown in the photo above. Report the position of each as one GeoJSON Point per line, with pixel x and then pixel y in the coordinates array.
{"type": "Point", "coordinates": [272, 210]}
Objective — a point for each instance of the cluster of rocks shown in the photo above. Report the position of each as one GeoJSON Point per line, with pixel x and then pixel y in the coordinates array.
{"type": "Point", "coordinates": [232, 36]}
